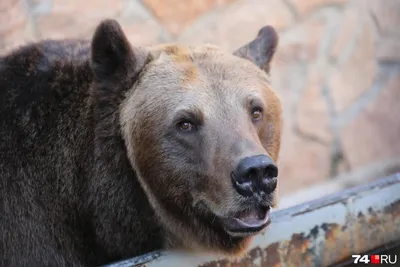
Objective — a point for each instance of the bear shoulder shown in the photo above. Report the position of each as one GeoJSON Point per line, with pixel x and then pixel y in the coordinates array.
{"type": "Point", "coordinates": [44, 88]}
{"type": "Point", "coordinates": [44, 77]}
{"type": "Point", "coordinates": [42, 67]}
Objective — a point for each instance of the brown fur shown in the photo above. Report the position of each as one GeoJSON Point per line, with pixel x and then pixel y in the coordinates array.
{"type": "Point", "coordinates": [214, 85]}
{"type": "Point", "coordinates": [93, 165]}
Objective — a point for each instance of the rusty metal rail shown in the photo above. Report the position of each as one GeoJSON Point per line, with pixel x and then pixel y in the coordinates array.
{"type": "Point", "coordinates": [318, 233]}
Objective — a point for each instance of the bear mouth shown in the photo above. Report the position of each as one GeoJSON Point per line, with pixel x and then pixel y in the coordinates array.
{"type": "Point", "coordinates": [247, 222]}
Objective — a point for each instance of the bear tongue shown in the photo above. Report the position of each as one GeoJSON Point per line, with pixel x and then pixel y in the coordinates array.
{"type": "Point", "coordinates": [247, 221]}
{"type": "Point", "coordinates": [253, 216]}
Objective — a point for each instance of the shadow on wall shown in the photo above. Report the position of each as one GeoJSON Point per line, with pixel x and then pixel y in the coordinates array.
{"type": "Point", "coordinates": [337, 68]}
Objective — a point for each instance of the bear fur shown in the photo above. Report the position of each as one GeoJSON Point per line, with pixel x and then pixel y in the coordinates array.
{"type": "Point", "coordinates": [90, 171]}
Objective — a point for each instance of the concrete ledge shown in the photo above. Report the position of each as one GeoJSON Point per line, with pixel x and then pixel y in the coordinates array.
{"type": "Point", "coordinates": [319, 233]}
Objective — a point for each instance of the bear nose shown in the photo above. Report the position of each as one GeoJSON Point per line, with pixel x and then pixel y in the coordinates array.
{"type": "Point", "coordinates": [253, 175]}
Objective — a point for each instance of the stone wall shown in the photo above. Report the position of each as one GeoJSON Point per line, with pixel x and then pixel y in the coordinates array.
{"type": "Point", "coordinates": [337, 68]}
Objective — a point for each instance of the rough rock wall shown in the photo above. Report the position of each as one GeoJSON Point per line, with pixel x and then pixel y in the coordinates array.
{"type": "Point", "coordinates": [337, 68]}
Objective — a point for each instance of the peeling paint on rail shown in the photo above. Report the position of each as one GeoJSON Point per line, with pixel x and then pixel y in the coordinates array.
{"type": "Point", "coordinates": [318, 233]}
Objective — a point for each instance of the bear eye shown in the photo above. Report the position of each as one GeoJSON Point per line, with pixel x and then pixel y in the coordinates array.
{"type": "Point", "coordinates": [256, 113]}
{"type": "Point", "coordinates": [186, 126]}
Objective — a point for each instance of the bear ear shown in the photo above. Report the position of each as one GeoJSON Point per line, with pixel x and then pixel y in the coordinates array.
{"type": "Point", "coordinates": [261, 50]}
{"type": "Point", "coordinates": [112, 56]}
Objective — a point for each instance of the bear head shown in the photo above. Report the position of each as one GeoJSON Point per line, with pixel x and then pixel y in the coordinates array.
{"type": "Point", "coordinates": [202, 131]}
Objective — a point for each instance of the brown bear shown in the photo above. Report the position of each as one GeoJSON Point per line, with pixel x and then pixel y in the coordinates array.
{"type": "Point", "coordinates": [109, 150]}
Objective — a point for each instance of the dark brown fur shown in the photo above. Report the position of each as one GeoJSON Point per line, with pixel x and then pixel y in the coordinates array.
{"type": "Point", "coordinates": [91, 170]}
